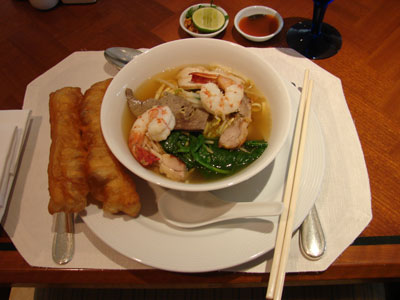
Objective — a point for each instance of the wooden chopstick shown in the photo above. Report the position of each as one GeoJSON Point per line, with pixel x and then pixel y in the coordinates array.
{"type": "Point", "coordinates": [285, 228]}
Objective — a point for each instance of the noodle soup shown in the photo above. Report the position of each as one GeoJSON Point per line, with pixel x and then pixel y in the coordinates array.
{"type": "Point", "coordinates": [198, 84]}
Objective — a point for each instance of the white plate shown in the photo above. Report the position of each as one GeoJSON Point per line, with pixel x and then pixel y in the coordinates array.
{"type": "Point", "coordinates": [149, 240]}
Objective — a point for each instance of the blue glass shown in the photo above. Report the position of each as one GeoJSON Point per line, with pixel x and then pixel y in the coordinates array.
{"type": "Point", "coordinates": [315, 39]}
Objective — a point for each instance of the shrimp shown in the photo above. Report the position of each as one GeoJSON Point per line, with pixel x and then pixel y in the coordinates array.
{"type": "Point", "coordinates": [210, 84]}
{"type": "Point", "coordinates": [152, 126]}
{"type": "Point", "coordinates": [185, 78]}
{"type": "Point", "coordinates": [221, 103]}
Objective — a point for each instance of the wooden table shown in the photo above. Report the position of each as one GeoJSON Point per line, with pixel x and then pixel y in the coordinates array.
{"type": "Point", "coordinates": [368, 64]}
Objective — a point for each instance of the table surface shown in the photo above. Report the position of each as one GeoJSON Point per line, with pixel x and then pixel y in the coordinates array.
{"type": "Point", "coordinates": [368, 65]}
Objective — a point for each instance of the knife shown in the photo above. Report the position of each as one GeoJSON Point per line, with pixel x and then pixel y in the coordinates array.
{"type": "Point", "coordinates": [63, 240]}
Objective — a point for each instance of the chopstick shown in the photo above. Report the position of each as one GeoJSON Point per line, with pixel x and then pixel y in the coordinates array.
{"type": "Point", "coordinates": [285, 227]}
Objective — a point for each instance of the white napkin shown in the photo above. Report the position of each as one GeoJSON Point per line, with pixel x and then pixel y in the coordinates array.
{"type": "Point", "coordinates": [7, 156]}
{"type": "Point", "coordinates": [13, 124]}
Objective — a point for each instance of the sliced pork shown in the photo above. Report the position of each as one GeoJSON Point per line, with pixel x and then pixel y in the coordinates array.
{"type": "Point", "coordinates": [187, 116]}
{"type": "Point", "coordinates": [235, 135]}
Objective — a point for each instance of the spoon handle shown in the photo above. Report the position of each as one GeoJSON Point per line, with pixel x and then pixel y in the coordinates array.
{"type": "Point", "coordinates": [312, 238]}
{"type": "Point", "coordinates": [120, 56]}
{"type": "Point", "coordinates": [257, 209]}
{"type": "Point", "coordinates": [63, 241]}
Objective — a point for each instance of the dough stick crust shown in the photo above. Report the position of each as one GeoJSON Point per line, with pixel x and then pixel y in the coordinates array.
{"type": "Point", "coordinates": [68, 185]}
{"type": "Point", "coordinates": [108, 180]}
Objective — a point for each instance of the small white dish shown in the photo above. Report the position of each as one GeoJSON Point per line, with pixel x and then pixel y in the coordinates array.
{"type": "Point", "coordinates": [211, 34]}
{"type": "Point", "coordinates": [43, 4]}
{"type": "Point", "coordinates": [257, 10]}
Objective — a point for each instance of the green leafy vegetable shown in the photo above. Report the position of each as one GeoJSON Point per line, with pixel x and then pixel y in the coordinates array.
{"type": "Point", "coordinates": [204, 154]}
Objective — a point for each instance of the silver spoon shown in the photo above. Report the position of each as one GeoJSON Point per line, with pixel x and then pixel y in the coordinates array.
{"type": "Point", "coordinates": [120, 56]}
{"type": "Point", "coordinates": [312, 238]}
{"type": "Point", "coordinates": [194, 209]}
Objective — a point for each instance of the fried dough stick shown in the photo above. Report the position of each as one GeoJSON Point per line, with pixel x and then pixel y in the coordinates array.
{"type": "Point", "coordinates": [108, 180]}
{"type": "Point", "coordinates": [68, 185]}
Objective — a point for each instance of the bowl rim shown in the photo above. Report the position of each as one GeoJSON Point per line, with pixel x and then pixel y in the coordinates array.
{"type": "Point", "coordinates": [204, 35]}
{"type": "Point", "coordinates": [115, 88]}
{"type": "Point", "coordinates": [265, 9]}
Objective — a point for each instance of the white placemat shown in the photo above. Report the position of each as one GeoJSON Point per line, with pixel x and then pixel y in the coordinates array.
{"type": "Point", "coordinates": [344, 203]}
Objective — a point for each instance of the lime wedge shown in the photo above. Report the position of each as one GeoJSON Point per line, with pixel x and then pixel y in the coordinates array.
{"type": "Point", "coordinates": [208, 19]}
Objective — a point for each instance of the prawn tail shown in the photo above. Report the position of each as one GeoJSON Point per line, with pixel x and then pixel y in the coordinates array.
{"type": "Point", "coordinates": [144, 156]}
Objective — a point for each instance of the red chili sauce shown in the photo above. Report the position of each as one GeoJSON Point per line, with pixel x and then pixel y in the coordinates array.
{"type": "Point", "coordinates": [259, 25]}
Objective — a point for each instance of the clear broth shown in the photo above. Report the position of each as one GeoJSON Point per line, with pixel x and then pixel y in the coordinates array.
{"type": "Point", "coordinates": [259, 128]}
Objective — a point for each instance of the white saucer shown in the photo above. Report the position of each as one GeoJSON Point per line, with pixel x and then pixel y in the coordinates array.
{"type": "Point", "coordinates": [149, 240]}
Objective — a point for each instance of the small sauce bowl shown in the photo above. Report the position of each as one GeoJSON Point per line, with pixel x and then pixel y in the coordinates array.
{"type": "Point", "coordinates": [257, 11]}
